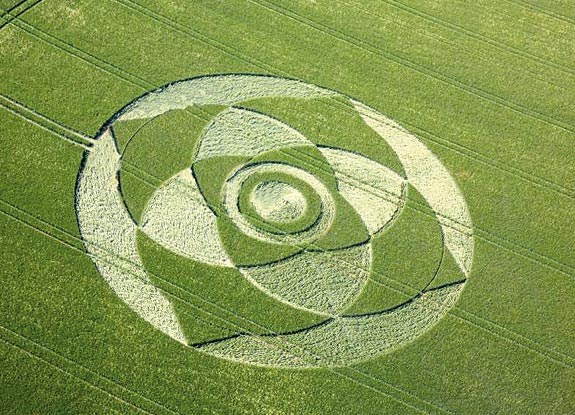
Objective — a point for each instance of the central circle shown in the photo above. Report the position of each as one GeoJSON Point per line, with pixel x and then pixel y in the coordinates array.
{"type": "Point", "coordinates": [278, 201]}
{"type": "Point", "coordinates": [270, 205]}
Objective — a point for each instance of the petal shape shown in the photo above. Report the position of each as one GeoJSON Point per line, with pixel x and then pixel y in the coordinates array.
{"type": "Point", "coordinates": [218, 90]}
{"type": "Point", "coordinates": [374, 191]}
{"type": "Point", "coordinates": [322, 282]}
{"type": "Point", "coordinates": [240, 132]}
{"type": "Point", "coordinates": [178, 218]}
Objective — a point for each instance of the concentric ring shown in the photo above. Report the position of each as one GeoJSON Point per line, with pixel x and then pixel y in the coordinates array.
{"type": "Point", "coordinates": [254, 210]}
{"type": "Point", "coordinates": [231, 199]}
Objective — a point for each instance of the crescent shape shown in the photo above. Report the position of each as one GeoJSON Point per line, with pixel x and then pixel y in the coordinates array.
{"type": "Point", "coordinates": [241, 132]}
{"type": "Point", "coordinates": [341, 341]}
{"type": "Point", "coordinates": [375, 192]}
{"type": "Point", "coordinates": [218, 90]}
{"type": "Point", "coordinates": [178, 218]}
{"type": "Point", "coordinates": [350, 339]}
{"type": "Point", "coordinates": [108, 231]}
{"type": "Point", "coordinates": [110, 238]}
{"type": "Point", "coordinates": [426, 173]}
{"type": "Point", "coordinates": [325, 283]}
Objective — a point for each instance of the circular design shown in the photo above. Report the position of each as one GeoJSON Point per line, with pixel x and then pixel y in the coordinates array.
{"type": "Point", "coordinates": [312, 211]}
{"type": "Point", "coordinates": [308, 214]}
{"type": "Point", "coordinates": [278, 201]}
{"type": "Point", "coordinates": [232, 195]}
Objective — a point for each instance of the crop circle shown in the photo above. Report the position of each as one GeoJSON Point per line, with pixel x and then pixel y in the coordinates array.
{"type": "Point", "coordinates": [326, 208]}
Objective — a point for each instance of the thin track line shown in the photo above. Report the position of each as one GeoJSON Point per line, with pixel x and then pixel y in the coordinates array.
{"type": "Point", "coordinates": [547, 353]}
{"type": "Point", "coordinates": [9, 15]}
{"type": "Point", "coordinates": [407, 392]}
{"type": "Point", "coordinates": [530, 253]}
{"type": "Point", "coordinates": [14, 7]}
{"type": "Point", "coordinates": [80, 54]}
{"type": "Point", "coordinates": [478, 36]}
{"type": "Point", "coordinates": [60, 368]}
{"type": "Point", "coordinates": [542, 10]}
{"type": "Point", "coordinates": [460, 149]}
{"type": "Point", "coordinates": [473, 53]}
{"type": "Point", "coordinates": [188, 31]}
{"type": "Point", "coordinates": [504, 333]}
{"type": "Point", "coordinates": [429, 213]}
{"type": "Point", "coordinates": [62, 233]}
{"type": "Point", "coordinates": [37, 124]}
{"type": "Point", "coordinates": [44, 118]}
{"type": "Point", "coordinates": [527, 252]}
{"type": "Point", "coordinates": [387, 55]}
{"type": "Point", "coordinates": [105, 379]}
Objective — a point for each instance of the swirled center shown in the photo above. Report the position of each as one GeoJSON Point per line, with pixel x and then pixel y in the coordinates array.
{"type": "Point", "coordinates": [277, 201]}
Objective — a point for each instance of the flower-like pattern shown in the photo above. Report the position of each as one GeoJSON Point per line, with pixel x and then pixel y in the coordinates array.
{"type": "Point", "coordinates": [316, 279]}
{"type": "Point", "coordinates": [307, 214]}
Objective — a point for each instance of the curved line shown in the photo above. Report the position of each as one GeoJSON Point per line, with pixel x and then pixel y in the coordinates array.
{"type": "Point", "coordinates": [288, 165]}
{"type": "Point", "coordinates": [306, 238]}
{"type": "Point", "coordinates": [119, 177]}
{"type": "Point", "coordinates": [398, 211]}
{"type": "Point", "coordinates": [291, 256]}
{"type": "Point", "coordinates": [123, 152]}
{"type": "Point", "coordinates": [246, 334]}
{"type": "Point", "coordinates": [406, 302]}
{"type": "Point", "coordinates": [525, 342]}
{"type": "Point", "coordinates": [329, 320]}
{"type": "Point", "coordinates": [132, 104]}
{"type": "Point", "coordinates": [123, 199]}
{"type": "Point", "coordinates": [279, 232]}
{"type": "Point", "coordinates": [389, 225]}
{"type": "Point", "coordinates": [403, 174]}
{"type": "Point", "coordinates": [339, 248]}
{"type": "Point", "coordinates": [209, 205]}
{"type": "Point", "coordinates": [412, 299]}
{"type": "Point", "coordinates": [375, 120]}
{"type": "Point", "coordinates": [442, 257]}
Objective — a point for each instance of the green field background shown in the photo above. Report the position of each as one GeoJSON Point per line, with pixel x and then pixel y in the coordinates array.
{"type": "Point", "coordinates": [489, 86]}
